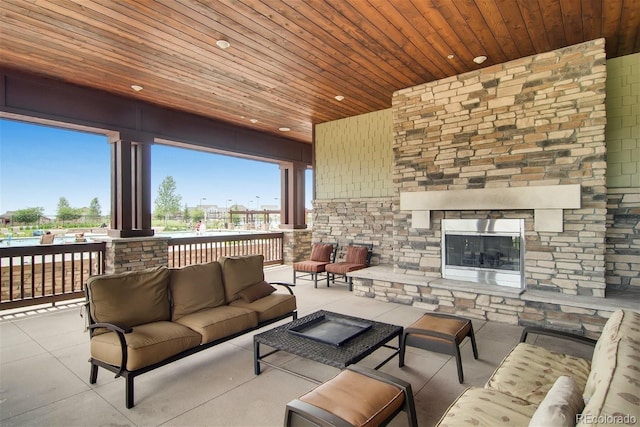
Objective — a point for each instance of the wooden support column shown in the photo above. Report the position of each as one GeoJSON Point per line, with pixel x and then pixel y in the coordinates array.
{"type": "Point", "coordinates": [292, 212]}
{"type": "Point", "coordinates": [130, 187]}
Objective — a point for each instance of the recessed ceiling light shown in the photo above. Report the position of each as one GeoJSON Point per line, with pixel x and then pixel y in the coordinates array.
{"type": "Point", "coordinates": [283, 129]}
{"type": "Point", "coordinates": [253, 120]}
{"type": "Point", "coordinates": [339, 98]}
{"type": "Point", "coordinates": [223, 44]}
{"type": "Point", "coordinates": [451, 56]}
{"type": "Point", "coordinates": [137, 88]}
{"type": "Point", "coordinates": [479, 59]}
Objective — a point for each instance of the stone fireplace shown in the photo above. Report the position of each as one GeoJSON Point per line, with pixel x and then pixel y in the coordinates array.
{"type": "Point", "coordinates": [523, 139]}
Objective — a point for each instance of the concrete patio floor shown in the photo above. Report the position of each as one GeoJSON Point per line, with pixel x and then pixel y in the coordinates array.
{"type": "Point", "coordinates": [44, 374]}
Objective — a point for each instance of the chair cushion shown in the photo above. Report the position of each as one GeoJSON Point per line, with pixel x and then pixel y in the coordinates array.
{"type": "Point", "coordinates": [357, 399]}
{"type": "Point", "coordinates": [560, 406]}
{"type": "Point", "coordinates": [147, 344]}
{"type": "Point", "coordinates": [241, 272]}
{"type": "Point", "coordinates": [220, 322]}
{"type": "Point", "coordinates": [457, 329]}
{"type": "Point", "coordinates": [310, 266]}
{"type": "Point", "coordinates": [484, 407]}
{"type": "Point", "coordinates": [529, 371]}
{"type": "Point", "coordinates": [356, 255]}
{"type": "Point", "coordinates": [195, 287]}
{"type": "Point", "coordinates": [321, 252]}
{"type": "Point", "coordinates": [257, 291]}
{"type": "Point", "coordinates": [130, 299]}
{"type": "Point", "coordinates": [269, 307]}
{"type": "Point", "coordinates": [343, 267]}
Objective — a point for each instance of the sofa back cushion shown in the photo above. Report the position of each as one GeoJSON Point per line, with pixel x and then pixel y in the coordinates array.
{"type": "Point", "coordinates": [130, 299]}
{"type": "Point", "coordinates": [603, 359]}
{"type": "Point", "coordinates": [195, 287]}
{"type": "Point", "coordinates": [241, 272]}
{"type": "Point", "coordinates": [616, 390]}
{"type": "Point", "coordinates": [321, 252]}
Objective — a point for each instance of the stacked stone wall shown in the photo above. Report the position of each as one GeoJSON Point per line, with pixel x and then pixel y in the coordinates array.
{"type": "Point", "coordinates": [534, 121]}
{"type": "Point", "coordinates": [135, 254]}
{"type": "Point", "coordinates": [297, 245]}
{"type": "Point", "coordinates": [623, 239]}
{"type": "Point", "coordinates": [365, 220]}
{"type": "Point", "coordinates": [586, 320]}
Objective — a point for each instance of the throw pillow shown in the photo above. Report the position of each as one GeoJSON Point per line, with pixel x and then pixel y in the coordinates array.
{"type": "Point", "coordinates": [257, 291]}
{"type": "Point", "coordinates": [560, 406]}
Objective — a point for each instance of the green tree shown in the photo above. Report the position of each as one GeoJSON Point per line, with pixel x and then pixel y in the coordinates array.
{"type": "Point", "coordinates": [198, 214]}
{"type": "Point", "coordinates": [167, 202]}
{"type": "Point", "coordinates": [66, 212]}
{"type": "Point", "coordinates": [186, 215]}
{"type": "Point", "coordinates": [28, 215]}
{"type": "Point", "coordinates": [95, 210]}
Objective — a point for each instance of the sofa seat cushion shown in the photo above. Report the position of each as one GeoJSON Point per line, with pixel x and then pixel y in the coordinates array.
{"type": "Point", "coordinates": [310, 266]}
{"type": "Point", "coordinates": [269, 307]}
{"type": "Point", "coordinates": [147, 344]}
{"type": "Point", "coordinates": [220, 322]}
{"type": "Point", "coordinates": [528, 372]}
{"type": "Point", "coordinates": [130, 299]}
{"type": "Point", "coordinates": [486, 407]}
{"type": "Point", "coordinates": [195, 287]}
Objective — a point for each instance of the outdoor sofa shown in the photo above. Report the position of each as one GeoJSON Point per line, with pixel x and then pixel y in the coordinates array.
{"type": "Point", "coordinates": [142, 320]}
{"type": "Point", "coordinates": [537, 387]}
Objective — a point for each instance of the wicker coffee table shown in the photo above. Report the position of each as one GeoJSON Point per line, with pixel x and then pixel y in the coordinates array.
{"type": "Point", "coordinates": [368, 336]}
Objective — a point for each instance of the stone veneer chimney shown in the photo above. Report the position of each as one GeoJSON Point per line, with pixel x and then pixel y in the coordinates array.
{"type": "Point", "coordinates": [535, 121]}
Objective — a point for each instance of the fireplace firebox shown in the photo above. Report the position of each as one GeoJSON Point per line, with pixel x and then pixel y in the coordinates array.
{"type": "Point", "coordinates": [487, 251]}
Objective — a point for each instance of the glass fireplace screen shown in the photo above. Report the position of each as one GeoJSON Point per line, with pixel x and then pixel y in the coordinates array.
{"type": "Point", "coordinates": [483, 251]}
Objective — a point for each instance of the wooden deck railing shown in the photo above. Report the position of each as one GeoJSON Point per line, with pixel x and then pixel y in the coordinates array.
{"type": "Point", "coordinates": [194, 250]}
{"type": "Point", "coordinates": [47, 273]}
{"type": "Point", "coordinates": [43, 274]}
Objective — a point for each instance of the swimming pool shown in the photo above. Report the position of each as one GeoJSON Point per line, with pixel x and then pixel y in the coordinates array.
{"type": "Point", "coordinates": [7, 242]}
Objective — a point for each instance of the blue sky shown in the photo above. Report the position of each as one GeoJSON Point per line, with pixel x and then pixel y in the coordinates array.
{"type": "Point", "coordinates": [40, 164]}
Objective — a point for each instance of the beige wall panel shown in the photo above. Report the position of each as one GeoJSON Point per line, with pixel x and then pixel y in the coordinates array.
{"type": "Point", "coordinates": [354, 158]}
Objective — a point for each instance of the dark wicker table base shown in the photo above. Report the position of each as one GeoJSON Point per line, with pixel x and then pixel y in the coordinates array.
{"type": "Point", "coordinates": [352, 351]}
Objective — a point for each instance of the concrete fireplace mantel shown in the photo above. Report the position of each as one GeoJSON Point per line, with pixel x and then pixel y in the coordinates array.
{"type": "Point", "coordinates": [547, 202]}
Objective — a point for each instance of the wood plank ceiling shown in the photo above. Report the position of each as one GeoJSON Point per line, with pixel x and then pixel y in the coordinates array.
{"type": "Point", "coordinates": [287, 60]}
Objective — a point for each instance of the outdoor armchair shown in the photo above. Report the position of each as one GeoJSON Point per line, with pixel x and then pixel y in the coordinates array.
{"type": "Point", "coordinates": [321, 255]}
{"type": "Point", "coordinates": [357, 257]}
